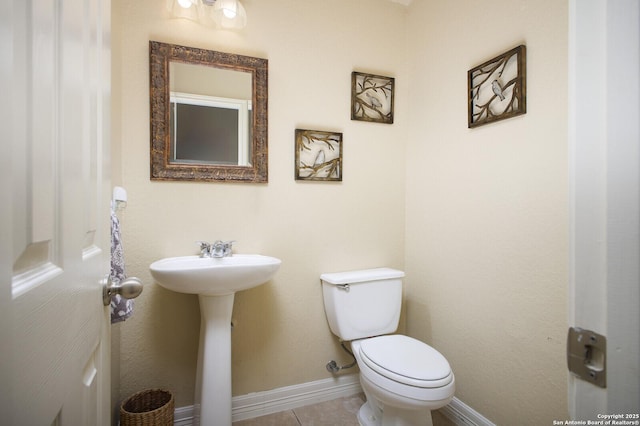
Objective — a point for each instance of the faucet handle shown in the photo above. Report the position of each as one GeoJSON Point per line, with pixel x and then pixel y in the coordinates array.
{"type": "Point", "coordinates": [227, 247]}
{"type": "Point", "coordinates": [205, 248]}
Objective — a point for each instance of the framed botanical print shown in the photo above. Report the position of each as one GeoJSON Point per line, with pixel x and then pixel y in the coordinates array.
{"type": "Point", "coordinates": [497, 88]}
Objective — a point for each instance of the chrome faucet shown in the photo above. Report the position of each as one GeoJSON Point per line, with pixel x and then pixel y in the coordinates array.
{"type": "Point", "coordinates": [217, 249]}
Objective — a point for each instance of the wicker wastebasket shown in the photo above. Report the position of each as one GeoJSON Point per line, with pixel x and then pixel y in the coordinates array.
{"type": "Point", "coordinates": [151, 407]}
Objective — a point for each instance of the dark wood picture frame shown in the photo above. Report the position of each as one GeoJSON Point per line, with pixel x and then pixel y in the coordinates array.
{"type": "Point", "coordinates": [497, 88]}
{"type": "Point", "coordinates": [318, 155]}
{"type": "Point", "coordinates": [372, 97]}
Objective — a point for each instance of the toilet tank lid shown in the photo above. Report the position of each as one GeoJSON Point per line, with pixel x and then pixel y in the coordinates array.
{"type": "Point", "coordinates": [351, 277]}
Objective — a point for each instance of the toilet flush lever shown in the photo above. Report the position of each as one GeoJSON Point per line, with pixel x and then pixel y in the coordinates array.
{"type": "Point", "coordinates": [587, 355]}
{"type": "Point", "coordinates": [344, 287]}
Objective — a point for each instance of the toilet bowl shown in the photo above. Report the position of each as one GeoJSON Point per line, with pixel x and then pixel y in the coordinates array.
{"type": "Point", "coordinates": [403, 378]}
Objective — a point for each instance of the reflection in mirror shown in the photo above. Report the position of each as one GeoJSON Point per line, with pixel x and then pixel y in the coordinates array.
{"type": "Point", "coordinates": [208, 115]}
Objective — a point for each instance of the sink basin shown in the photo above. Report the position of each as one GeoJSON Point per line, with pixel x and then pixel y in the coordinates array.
{"type": "Point", "coordinates": [214, 276]}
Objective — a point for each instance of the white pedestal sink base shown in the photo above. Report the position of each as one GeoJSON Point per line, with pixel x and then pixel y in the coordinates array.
{"type": "Point", "coordinates": [213, 380]}
{"type": "Point", "coordinates": [215, 281]}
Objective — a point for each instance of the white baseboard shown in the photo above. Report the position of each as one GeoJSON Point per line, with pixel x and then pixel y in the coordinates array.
{"type": "Point", "coordinates": [261, 403]}
{"type": "Point", "coordinates": [183, 416]}
{"type": "Point", "coordinates": [463, 415]}
{"type": "Point", "coordinates": [287, 398]}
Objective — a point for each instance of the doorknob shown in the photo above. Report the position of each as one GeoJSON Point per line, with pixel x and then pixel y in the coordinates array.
{"type": "Point", "coordinates": [130, 288]}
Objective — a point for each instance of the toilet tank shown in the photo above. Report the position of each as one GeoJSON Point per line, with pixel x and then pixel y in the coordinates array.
{"type": "Point", "coordinates": [363, 303]}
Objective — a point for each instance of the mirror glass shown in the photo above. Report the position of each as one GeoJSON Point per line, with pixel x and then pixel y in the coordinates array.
{"type": "Point", "coordinates": [208, 115]}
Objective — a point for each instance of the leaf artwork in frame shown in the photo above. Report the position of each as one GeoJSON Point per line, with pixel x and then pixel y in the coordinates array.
{"type": "Point", "coordinates": [372, 97]}
{"type": "Point", "coordinates": [318, 155]}
{"type": "Point", "coordinates": [497, 88]}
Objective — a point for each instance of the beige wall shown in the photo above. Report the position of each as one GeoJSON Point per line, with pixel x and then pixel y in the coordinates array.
{"type": "Point", "coordinates": [477, 218]}
{"type": "Point", "coordinates": [281, 336]}
{"type": "Point", "coordinates": [487, 208]}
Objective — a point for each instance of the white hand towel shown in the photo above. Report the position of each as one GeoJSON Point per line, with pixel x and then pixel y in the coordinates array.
{"type": "Point", "coordinates": [121, 308]}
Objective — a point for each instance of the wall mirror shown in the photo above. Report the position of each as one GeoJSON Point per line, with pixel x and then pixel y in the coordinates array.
{"type": "Point", "coordinates": [208, 115]}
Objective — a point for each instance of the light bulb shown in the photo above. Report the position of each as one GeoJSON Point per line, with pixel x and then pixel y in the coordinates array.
{"type": "Point", "coordinates": [229, 13]}
{"type": "Point", "coordinates": [230, 9]}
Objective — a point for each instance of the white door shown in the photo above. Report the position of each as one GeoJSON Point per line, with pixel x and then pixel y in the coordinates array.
{"type": "Point", "coordinates": [54, 229]}
{"type": "Point", "coordinates": [604, 77]}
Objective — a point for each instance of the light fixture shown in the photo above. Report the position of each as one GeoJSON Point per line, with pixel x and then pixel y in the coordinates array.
{"type": "Point", "coordinates": [187, 9]}
{"type": "Point", "coordinates": [229, 14]}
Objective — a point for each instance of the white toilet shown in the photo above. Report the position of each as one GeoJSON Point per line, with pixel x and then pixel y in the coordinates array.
{"type": "Point", "coordinates": [402, 378]}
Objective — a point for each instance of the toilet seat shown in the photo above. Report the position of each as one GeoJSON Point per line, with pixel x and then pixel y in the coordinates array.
{"type": "Point", "coordinates": [406, 360]}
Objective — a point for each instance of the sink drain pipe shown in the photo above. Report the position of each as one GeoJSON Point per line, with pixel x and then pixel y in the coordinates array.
{"type": "Point", "coordinates": [332, 366]}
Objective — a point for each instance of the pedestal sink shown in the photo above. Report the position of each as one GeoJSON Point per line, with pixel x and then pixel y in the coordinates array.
{"type": "Point", "coordinates": [215, 281]}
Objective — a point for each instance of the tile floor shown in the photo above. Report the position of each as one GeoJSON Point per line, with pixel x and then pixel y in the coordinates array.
{"type": "Point", "coordinates": [338, 412]}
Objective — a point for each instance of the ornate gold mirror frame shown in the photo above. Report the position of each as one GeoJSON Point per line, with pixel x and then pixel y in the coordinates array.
{"type": "Point", "coordinates": [162, 168]}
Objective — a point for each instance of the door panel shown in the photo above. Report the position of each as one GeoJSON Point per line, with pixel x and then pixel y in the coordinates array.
{"type": "Point", "coordinates": [58, 224]}
{"type": "Point", "coordinates": [604, 142]}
